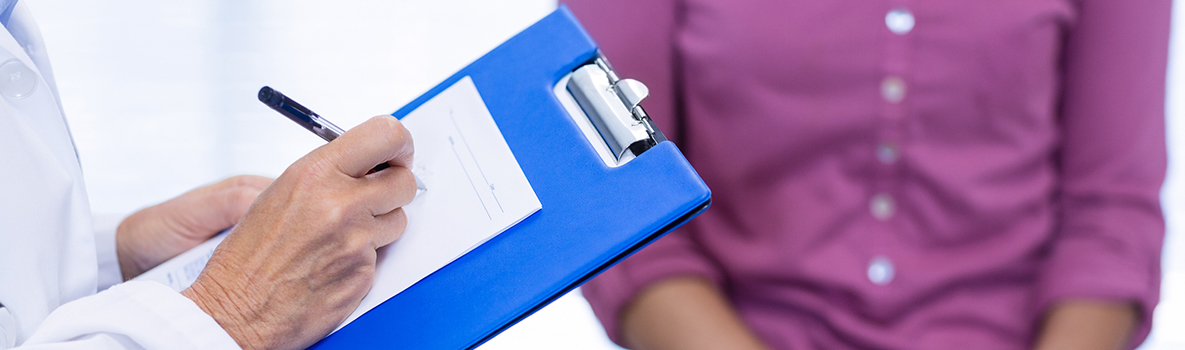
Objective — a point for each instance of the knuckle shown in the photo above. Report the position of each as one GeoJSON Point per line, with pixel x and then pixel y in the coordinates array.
{"type": "Point", "coordinates": [249, 181]}
{"type": "Point", "coordinates": [400, 225]}
{"type": "Point", "coordinates": [335, 214]}
{"type": "Point", "coordinates": [238, 180]}
{"type": "Point", "coordinates": [388, 122]}
{"type": "Point", "coordinates": [307, 171]}
{"type": "Point", "coordinates": [359, 245]}
{"type": "Point", "coordinates": [239, 198]}
{"type": "Point", "coordinates": [395, 226]}
{"type": "Point", "coordinates": [360, 282]}
{"type": "Point", "coordinates": [393, 129]}
{"type": "Point", "coordinates": [245, 195]}
{"type": "Point", "coordinates": [407, 180]}
{"type": "Point", "coordinates": [399, 184]}
{"type": "Point", "coordinates": [406, 187]}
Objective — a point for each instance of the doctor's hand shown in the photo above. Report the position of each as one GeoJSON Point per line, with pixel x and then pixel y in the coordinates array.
{"type": "Point", "coordinates": [158, 233]}
{"type": "Point", "coordinates": [304, 255]}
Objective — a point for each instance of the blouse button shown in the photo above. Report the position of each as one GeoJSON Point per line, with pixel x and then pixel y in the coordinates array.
{"type": "Point", "coordinates": [900, 21]}
{"type": "Point", "coordinates": [880, 271]}
{"type": "Point", "coordinates": [887, 153]}
{"type": "Point", "coordinates": [17, 81]}
{"type": "Point", "coordinates": [893, 89]}
{"type": "Point", "coordinates": [882, 206]}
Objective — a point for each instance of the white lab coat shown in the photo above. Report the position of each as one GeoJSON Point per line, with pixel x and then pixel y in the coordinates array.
{"type": "Point", "coordinates": [53, 263]}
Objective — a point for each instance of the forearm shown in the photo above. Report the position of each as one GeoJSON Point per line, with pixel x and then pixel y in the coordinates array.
{"type": "Point", "coordinates": [1087, 325]}
{"type": "Point", "coordinates": [685, 313]}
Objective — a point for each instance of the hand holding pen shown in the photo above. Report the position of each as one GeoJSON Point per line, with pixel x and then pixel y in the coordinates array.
{"type": "Point", "coordinates": [311, 121]}
{"type": "Point", "coordinates": [304, 255]}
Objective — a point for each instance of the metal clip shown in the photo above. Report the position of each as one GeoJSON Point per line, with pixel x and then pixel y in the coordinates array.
{"type": "Point", "coordinates": [614, 107]}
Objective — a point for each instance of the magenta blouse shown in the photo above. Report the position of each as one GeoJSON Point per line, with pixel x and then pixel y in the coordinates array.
{"type": "Point", "coordinates": [903, 174]}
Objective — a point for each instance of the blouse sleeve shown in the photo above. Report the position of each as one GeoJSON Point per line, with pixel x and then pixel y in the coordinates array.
{"type": "Point", "coordinates": [1112, 160]}
{"type": "Point", "coordinates": [638, 39]}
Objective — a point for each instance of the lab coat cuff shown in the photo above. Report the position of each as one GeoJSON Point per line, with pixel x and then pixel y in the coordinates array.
{"type": "Point", "coordinates": [182, 314]}
{"type": "Point", "coordinates": [149, 315]}
{"type": "Point", "coordinates": [105, 226]}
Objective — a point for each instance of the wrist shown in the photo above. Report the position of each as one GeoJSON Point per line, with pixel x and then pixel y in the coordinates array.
{"type": "Point", "coordinates": [685, 312]}
{"type": "Point", "coordinates": [1088, 324]}
{"type": "Point", "coordinates": [224, 307]}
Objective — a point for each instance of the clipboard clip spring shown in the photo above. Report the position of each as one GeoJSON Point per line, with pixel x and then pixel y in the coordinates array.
{"type": "Point", "coordinates": [614, 107]}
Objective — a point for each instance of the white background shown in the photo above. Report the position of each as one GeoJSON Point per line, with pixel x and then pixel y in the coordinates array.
{"type": "Point", "coordinates": [161, 99]}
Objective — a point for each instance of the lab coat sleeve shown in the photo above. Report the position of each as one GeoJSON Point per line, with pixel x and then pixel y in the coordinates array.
{"type": "Point", "coordinates": [132, 315]}
{"type": "Point", "coordinates": [105, 226]}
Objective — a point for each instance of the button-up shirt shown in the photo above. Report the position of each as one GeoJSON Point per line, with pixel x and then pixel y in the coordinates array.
{"type": "Point", "coordinates": [902, 174]}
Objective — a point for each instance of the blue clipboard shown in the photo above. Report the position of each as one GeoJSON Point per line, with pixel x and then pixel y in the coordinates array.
{"type": "Point", "coordinates": [593, 214]}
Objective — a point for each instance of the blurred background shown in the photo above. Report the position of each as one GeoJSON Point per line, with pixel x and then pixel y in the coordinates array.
{"type": "Point", "coordinates": [160, 96]}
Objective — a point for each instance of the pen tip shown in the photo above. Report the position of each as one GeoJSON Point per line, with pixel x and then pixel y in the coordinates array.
{"type": "Point", "coordinates": [419, 184]}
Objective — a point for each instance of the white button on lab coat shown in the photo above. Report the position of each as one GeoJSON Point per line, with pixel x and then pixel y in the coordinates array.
{"type": "Point", "coordinates": [52, 261]}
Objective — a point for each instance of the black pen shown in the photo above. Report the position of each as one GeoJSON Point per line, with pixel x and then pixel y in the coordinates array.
{"type": "Point", "coordinates": [310, 120]}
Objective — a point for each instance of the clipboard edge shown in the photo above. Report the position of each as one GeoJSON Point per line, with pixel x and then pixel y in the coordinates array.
{"type": "Point", "coordinates": [595, 272]}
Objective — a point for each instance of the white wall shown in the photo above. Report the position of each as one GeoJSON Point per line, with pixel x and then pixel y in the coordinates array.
{"type": "Point", "coordinates": [161, 98]}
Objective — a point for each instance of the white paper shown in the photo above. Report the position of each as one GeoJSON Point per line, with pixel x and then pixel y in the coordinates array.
{"type": "Point", "coordinates": [180, 272]}
{"type": "Point", "coordinates": [475, 190]}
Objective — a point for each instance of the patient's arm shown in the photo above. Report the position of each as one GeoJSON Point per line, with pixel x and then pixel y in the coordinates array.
{"type": "Point", "coordinates": [1087, 325]}
{"type": "Point", "coordinates": [685, 313]}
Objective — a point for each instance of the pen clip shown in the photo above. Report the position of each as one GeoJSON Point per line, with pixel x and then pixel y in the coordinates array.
{"type": "Point", "coordinates": [324, 128]}
{"type": "Point", "coordinates": [300, 114]}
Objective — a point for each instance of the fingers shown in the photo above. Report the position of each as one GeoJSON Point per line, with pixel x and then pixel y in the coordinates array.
{"type": "Point", "coordinates": [235, 201]}
{"type": "Point", "coordinates": [247, 181]}
{"type": "Point", "coordinates": [226, 201]}
{"type": "Point", "coordinates": [390, 227]}
{"type": "Point", "coordinates": [203, 213]}
{"type": "Point", "coordinates": [387, 190]}
{"type": "Point", "coordinates": [251, 181]}
{"type": "Point", "coordinates": [326, 211]}
{"type": "Point", "coordinates": [382, 139]}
